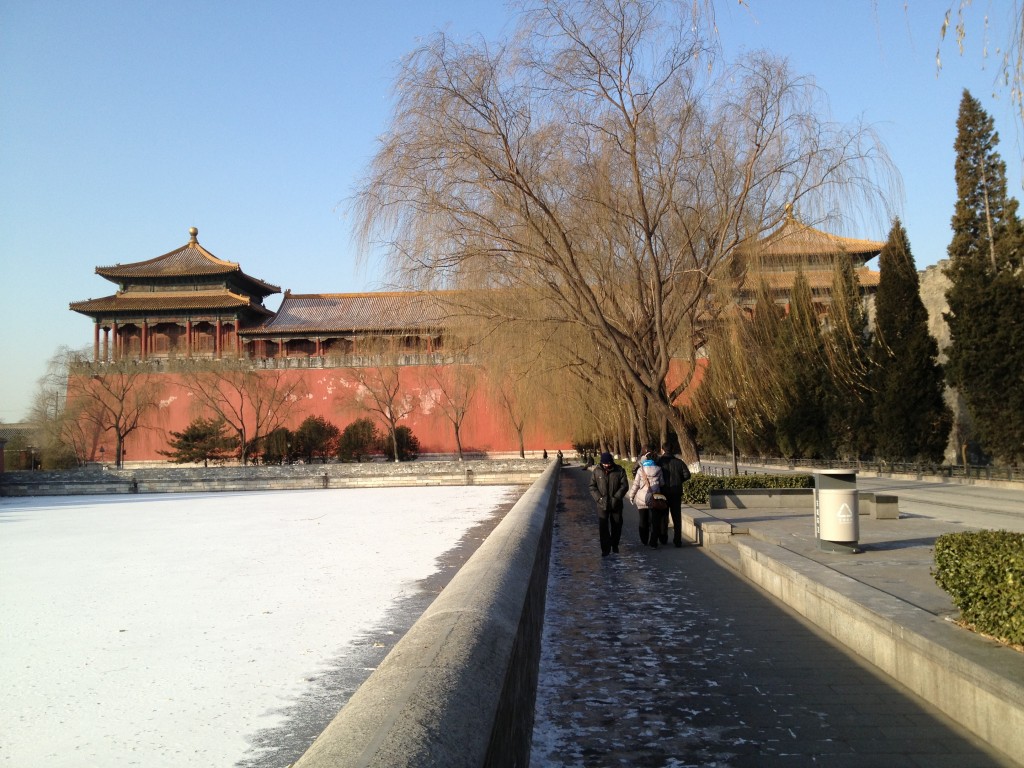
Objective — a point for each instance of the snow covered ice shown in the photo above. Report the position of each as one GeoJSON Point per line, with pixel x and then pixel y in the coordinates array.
{"type": "Point", "coordinates": [167, 630]}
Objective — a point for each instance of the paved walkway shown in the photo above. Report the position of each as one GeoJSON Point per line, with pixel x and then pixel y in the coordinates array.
{"type": "Point", "coordinates": [668, 658]}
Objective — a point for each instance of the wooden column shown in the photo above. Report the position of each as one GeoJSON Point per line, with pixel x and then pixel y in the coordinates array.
{"type": "Point", "coordinates": [106, 344]}
{"type": "Point", "coordinates": [188, 337]}
{"type": "Point", "coordinates": [117, 341]}
{"type": "Point", "coordinates": [216, 340]}
{"type": "Point", "coordinates": [144, 341]}
{"type": "Point", "coordinates": [96, 342]}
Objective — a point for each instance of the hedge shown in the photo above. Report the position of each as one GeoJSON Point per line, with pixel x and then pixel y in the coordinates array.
{"type": "Point", "coordinates": [698, 487]}
{"type": "Point", "coordinates": [983, 571]}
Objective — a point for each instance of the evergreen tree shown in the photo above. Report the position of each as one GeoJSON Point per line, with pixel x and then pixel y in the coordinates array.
{"type": "Point", "coordinates": [204, 440]}
{"type": "Point", "coordinates": [316, 437]}
{"type": "Point", "coordinates": [279, 446]}
{"type": "Point", "coordinates": [847, 348]}
{"type": "Point", "coordinates": [802, 420]}
{"type": "Point", "coordinates": [407, 444]}
{"type": "Point", "coordinates": [911, 419]}
{"type": "Point", "coordinates": [986, 296]}
{"type": "Point", "coordinates": [358, 440]}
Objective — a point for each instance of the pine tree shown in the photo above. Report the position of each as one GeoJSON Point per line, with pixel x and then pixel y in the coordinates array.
{"type": "Point", "coordinates": [986, 297]}
{"type": "Point", "coordinates": [848, 404]}
{"type": "Point", "coordinates": [802, 420]}
{"type": "Point", "coordinates": [203, 440]}
{"type": "Point", "coordinates": [911, 418]}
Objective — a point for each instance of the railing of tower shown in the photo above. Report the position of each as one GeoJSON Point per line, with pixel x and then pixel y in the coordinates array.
{"type": "Point", "coordinates": [171, 362]}
{"type": "Point", "coordinates": [751, 464]}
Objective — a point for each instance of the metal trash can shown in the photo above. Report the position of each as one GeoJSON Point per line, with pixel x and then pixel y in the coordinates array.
{"type": "Point", "coordinates": [836, 523]}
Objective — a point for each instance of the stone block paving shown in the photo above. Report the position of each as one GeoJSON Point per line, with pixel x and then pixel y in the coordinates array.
{"type": "Point", "coordinates": [667, 658]}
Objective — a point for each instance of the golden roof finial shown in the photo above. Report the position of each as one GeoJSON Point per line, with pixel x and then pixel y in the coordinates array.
{"type": "Point", "coordinates": [789, 211]}
{"type": "Point", "coordinates": [194, 233]}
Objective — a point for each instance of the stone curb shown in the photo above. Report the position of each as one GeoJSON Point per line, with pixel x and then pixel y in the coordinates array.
{"type": "Point", "coordinates": [459, 688]}
{"type": "Point", "coordinates": [954, 671]}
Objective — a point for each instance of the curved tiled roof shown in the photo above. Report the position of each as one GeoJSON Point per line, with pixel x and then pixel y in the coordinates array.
{"type": "Point", "coordinates": [796, 239]}
{"type": "Point", "coordinates": [188, 261]}
{"type": "Point", "coordinates": [353, 312]}
{"type": "Point", "coordinates": [167, 301]}
{"type": "Point", "coordinates": [816, 279]}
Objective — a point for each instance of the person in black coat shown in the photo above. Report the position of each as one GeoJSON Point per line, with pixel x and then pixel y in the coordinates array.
{"type": "Point", "coordinates": [608, 486]}
{"type": "Point", "coordinates": [675, 473]}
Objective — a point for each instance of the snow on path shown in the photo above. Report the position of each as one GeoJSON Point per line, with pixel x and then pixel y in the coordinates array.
{"type": "Point", "coordinates": [167, 630]}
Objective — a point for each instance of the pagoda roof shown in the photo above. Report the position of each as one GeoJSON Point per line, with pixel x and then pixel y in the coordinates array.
{"type": "Point", "coordinates": [816, 279]}
{"type": "Point", "coordinates": [190, 260]}
{"type": "Point", "coordinates": [138, 301]}
{"type": "Point", "coordinates": [354, 312]}
{"type": "Point", "coordinates": [795, 238]}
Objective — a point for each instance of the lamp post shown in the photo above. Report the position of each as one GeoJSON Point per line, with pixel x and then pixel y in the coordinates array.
{"type": "Point", "coordinates": [102, 451]}
{"type": "Point", "coordinates": [730, 403]}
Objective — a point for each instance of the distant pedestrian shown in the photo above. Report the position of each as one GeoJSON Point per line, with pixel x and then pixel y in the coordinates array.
{"type": "Point", "coordinates": [561, 460]}
{"type": "Point", "coordinates": [608, 485]}
{"type": "Point", "coordinates": [647, 481]}
{"type": "Point", "coordinates": [675, 473]}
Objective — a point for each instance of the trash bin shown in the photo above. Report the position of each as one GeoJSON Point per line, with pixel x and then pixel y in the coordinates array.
{"type": "Point", "coordinates": [836, 523]}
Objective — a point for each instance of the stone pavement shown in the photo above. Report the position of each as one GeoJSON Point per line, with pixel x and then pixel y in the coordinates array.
{"type": "Point", "coordinates": [669, 658]}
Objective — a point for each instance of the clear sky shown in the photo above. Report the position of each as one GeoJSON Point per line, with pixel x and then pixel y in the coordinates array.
{"type": "Point", "coordinates": [124, 124]}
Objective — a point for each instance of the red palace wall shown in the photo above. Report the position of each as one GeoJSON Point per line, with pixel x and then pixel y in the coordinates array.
{"type": "Point", "coordinates": [334, 394]}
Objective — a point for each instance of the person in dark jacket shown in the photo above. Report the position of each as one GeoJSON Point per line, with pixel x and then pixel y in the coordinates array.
{"type": "Point", "coordinates": [608, 485]}
{"type": "Point", "coordinates": [674, 472]}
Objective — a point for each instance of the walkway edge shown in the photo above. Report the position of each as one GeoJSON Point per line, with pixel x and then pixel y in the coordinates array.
{"type": "Point", "coordinates": [459, 688]}
{"type": "Point", "coordinates": [921, 651]}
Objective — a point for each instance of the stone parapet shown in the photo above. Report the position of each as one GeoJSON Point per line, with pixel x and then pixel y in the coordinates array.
{"type": "Point", "coordinates": [459, 689]}
{"type": "Point", "coordinates": [271, 477]}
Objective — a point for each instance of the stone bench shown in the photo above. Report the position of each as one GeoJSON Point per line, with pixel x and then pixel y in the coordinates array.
{"type": "Point", "coordinates": [877, 505]}
{"type": "Point", "coordinates": [759, 498]}
{"type": "Point", "coordinates": [704, 530]}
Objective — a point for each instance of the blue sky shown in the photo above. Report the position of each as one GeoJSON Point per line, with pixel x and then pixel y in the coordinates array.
{"type": "Point", "coordinates": [124, 124]}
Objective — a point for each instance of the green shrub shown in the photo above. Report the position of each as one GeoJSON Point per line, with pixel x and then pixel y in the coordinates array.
{"type": "Point", "coordinates": [983, 571]}
{"type": "Point", "coordinates": [698, 486]}
{"type": "Point", "coordinates": [695, 490]}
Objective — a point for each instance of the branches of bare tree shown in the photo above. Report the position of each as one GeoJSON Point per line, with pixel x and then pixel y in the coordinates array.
{"type": "Point", "coordinates": [602, 170]}
{"type": "Point", "coordinates": [380, 393]}
{"type": "Point", "coordinates": [452, 386]}
{"type": "Point", "coordinates": [115, 398]}
{"type": "Point", "coordinates": [62, 437]}
{"type": "Point", "coordinates": [1010, 49]}
{"type": "Point", "coordinates": [252, 402]}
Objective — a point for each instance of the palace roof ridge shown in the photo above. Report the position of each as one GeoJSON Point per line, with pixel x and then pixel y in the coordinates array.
{"type": "Point", "coordinates": [795, 237]}
{"type": "Point", "coordinates": [288, 293]}
{"type": "Point", "coordinates": [187, 260]}
{"type": "Point", "coordinates": [168, 300]}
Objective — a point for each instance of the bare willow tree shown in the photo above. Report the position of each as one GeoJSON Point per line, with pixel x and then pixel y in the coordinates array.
{"type": "Point", "coordinates": [379, 391]}
{"type": "Point", "coordinates": [251, 402]}
{"type": "Point", "coordinates": [116, 398]}
{"type": "Point", "coordinates": [1010, 49]}
{"type": "Point", "coordinates": [451, 386]}
{"type": "Point", "coordinates": [603, 170]}
{"type": "Point", "coordinates": [62, 436]}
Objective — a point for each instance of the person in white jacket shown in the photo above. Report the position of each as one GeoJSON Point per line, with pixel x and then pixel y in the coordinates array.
{"type": "Point", "coordinates": [648, 480]}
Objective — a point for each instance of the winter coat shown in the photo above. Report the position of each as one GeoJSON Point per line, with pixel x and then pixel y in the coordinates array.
{"type": "Point", "coordinates": [639, 492]}
{"type": "Point", "coordinates": [608, 489]}
{"type": "Point", "coordinates": [675, 473]}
